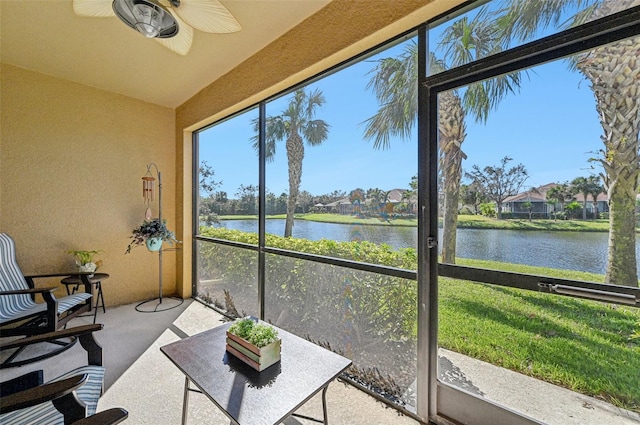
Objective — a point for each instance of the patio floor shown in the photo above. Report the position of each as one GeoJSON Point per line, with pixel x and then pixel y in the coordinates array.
{"type": "Point", "coordinates": [142, 380]}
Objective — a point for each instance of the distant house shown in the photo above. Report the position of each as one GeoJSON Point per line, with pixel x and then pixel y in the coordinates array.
{"type": "Point", "coordinates": [517, 205]}
{"type": "Point", "coordinates": [345, 206]}
{"type": "Point", "coordinates": [341, 206]}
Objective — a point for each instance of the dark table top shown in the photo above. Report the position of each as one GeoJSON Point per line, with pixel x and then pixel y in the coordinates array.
{"type": "Point", "coordinates": [245, 395]}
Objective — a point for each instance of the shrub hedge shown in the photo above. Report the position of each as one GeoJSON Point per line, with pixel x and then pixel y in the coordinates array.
{"type": "Point", "coordinates": [305, 293]}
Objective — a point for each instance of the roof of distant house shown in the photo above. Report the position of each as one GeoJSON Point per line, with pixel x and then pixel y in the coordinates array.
{"type": "Point", "coordinates": [536, 194]}
{"type": "Point", "coordinates": [539, 194]}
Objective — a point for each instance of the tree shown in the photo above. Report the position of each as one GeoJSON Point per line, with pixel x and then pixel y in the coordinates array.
{"type": "Point", "coordinates": [305, 201]}
{"type": "Point", "coordinates": [527, 205]}
{"type": "Point", "coordinates": [394, 83]}
{"type": "Point", "coordinates": [411, 195]}
{"type": "Point", "coordinates": [612, 71]}
{"type": "Point", "coordinates": [356, 197]}
{"type": "Point", "coordinates": [207, 186]}
{"type": "Point", "coordinates": [270, 203]}
{"type": "Point", "coordinates": [295, 124]}
{"type": "Point", "coordinates": [282, 203]}
{"type": "Point", "coordinates": [595, 189]}
{"type": "Point", "coordinates": [587, 186]}
{"type": "Point", "coordinates": [374, 199]}
{"type": "Point", "coordinates": [559, 194]}
{"type": "Point", "coordinates": [331, 197]}
{"type": "Point", "coordinates": [471, 194]}
{"type": "Point", "coordinates": [247, 199]}
{"type": "Point", "coordinates": [498, 182]}
{"type": "Point", "coordinates": [572, 209]}
{"type": "Point", "coordinates": [552, 202]}
{"type": "Point", "coordinates": [580, 185]}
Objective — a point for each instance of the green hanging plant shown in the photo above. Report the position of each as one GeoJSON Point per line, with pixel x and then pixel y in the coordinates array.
{"type": "Point", "coordinates": [151, 229]}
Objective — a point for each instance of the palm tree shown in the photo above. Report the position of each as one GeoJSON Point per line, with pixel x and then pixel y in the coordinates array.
{"type": "Point", "coordinates": [560, 194]}
{"type": "Point", "coordinates": [395, 85]}
{"type": "Point", "coordinates": [595, 189]}
{"type": "Point", "coordinates": [374, 198]}
{"type": "Point", "coordinates": [612, 70]}
{"type": "Point", "coordinates": [588, 186]}
{"type": "Point", "coordinates": [357, 198]}
{"type": "Point", "coordinates": [581, 185]}
{"type": "Point", "coordinates": [295, 124]}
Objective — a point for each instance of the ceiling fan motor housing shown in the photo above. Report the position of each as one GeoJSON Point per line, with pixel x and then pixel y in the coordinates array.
{"type": "Point", "coordinates": [148, 17]}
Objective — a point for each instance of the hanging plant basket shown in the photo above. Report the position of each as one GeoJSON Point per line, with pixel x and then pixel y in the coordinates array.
{"type": "Point", "coordinates": [154, 244]}
{"type": "Point", "coordinates": [152, 234]}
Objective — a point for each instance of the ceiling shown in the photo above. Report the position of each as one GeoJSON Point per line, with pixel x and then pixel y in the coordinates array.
{"type": "Point", "coordinates": [47, 37]}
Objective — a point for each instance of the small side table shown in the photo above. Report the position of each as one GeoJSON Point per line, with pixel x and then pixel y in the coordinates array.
{"type": "Point", "coordinates": [96, 280]}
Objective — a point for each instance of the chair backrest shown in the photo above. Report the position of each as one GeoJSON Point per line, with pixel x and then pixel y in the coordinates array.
{"type": "Point", "coordinates": [11, 278]}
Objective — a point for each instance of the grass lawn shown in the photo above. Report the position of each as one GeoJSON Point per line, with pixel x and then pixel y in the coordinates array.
{"type": "Point", "coordinates": [482, 222]}
{"type": "Point", "coordinates": [589, 347]}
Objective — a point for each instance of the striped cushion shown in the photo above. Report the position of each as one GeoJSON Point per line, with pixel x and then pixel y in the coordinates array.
{"type": "Point", "coordinates": [11, 278]}
{"type": "Point", "coordinates": [14, 307]}
{"type": "Point", "coordinates": [46, 414]}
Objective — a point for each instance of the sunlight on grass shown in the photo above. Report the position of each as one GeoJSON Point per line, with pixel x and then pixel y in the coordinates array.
{"type": "Point", "coordinates": [582, 345]}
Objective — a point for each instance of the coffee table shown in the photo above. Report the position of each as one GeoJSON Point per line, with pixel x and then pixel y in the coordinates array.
{"type": "Point", "coordinates": [249, 397]}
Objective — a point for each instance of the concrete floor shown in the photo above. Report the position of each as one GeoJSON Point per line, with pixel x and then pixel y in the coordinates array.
{"type": "Point", "coordinates": [142, 380]}
{"type": "Point", "coordinates": [151, 388]}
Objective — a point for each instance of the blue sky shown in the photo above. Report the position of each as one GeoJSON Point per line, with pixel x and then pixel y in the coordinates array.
{"type": "Point", "coordinates": [551, 126]}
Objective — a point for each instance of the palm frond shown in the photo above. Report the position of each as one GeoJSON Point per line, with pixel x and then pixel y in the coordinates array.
{"type": "Point", "coordinates": [522, 19]}
{"type": "Point", "coordinates": [315, 132]}
{"type": "Point", "coordinates": [394, 85]}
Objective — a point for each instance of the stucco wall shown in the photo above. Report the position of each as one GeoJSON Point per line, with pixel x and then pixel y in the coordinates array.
{"type": "Point", "coordinates": [71, 162]}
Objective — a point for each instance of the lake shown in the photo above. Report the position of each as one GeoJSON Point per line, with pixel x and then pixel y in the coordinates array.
{"type": "Point", "coordinates": [582, 251]}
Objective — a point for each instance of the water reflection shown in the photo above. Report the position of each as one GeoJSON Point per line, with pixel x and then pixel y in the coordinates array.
{"type": "Point", "coordinates": [582, 251]}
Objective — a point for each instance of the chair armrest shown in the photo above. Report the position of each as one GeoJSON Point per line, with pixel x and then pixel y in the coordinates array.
{"type": "Point", "coordinates": [108, 417]}
{"type": "Point", "coordinates": [41, 393]}
{"type": "Point", "coordinates": [29, 291]}
{"type": "Point", "coordinates": [47, 295]}
{"type": "Point", "coordinates": [57, 274]}
{"type": "Point", "coordinates": [84, 278]}
{"type": "Point", "coordinates": [83, 333]}
{"type": "Point", "coordinates": [21, 383]}
{"type": "Point", "coordinates": [52, 336]}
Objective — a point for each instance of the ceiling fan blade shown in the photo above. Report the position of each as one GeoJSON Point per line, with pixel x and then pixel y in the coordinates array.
{"type": "Point", "coordinates": [181, 42]}
{"type": "Point", "coordinates": [93, 8]}
{"type": "Point", "coordinates": [207, 15]}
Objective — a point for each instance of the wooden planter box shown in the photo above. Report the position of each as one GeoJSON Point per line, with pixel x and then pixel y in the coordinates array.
{"type": "Point", "coordinates": [258, 358]}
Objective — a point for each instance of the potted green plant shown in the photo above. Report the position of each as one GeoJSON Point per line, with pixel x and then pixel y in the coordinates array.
{"type": "Point", "coordinates": [255, 343]}
{"type": "Point", "coordinates": [151, 233]}
{"type": "Point", "coordinates": [84, 260]}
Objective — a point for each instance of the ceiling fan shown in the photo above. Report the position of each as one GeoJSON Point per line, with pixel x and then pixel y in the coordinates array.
{"type": "Point", "coordinates": [170, 22]}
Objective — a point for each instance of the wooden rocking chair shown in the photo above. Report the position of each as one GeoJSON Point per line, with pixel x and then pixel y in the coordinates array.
{"type": "Point", "coordinates": [69, 399]}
